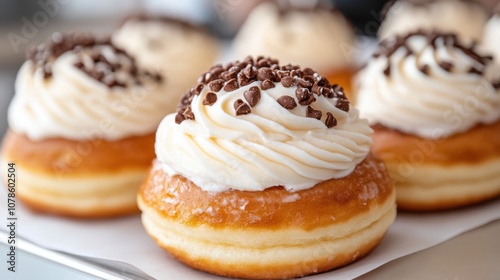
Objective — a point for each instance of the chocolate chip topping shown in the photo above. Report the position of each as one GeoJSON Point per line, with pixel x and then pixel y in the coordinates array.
{"type": "Point", "coordinates": [343, 104]}
{"type": "Point", "coordinates": [311, 113]}
{"type": "Point", "coordinates": [267, 84]}
{"type": "Point", "coordinates": [304, 96]}
{"type": "Point", "coordinates": [330, 120]}
{"type": "Point", "coordinates": [92, 60]}
{"type": "Point", "coordinates": [288, 81]}
{"type": "Point", "coordinates": [252, 96]}
{"type": "Point", "coordinates": [265, 73]}
{"type": "Point", "coordinates": [389, 46]}
{"type": "Point", "coordinates": [268, 72]}
{"type": "Point", "coordinates": [387, 70]}
{"type": "Point", "coordinates": [474, 70]}
{"type": "Point", "coordinates": [424, 69]}
{"type": "Point", "coordinates": [447, 66]}
{"type": "Point", "coordinates": [231, 85]}
{"type": "Point", "coordinates": [287, 102]}
{"type": "Point", "coordinates": [241, 108]}
{"type": "Point", "coordinates": [210, 99]}
{"type": "Point", "coordinates": [216, 85]}
{"type": "Point", "coordinates": [496, 85]}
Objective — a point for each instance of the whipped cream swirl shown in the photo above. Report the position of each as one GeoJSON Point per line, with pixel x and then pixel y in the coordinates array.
{"type": "Point", "coordinates": [85, 90]}
{"type": "Point", "coordinates": [319, 37]}
{"type": "Point", "coordinates": [491, 39]}
{"type": "Point", "coordinates": [427, 84]}
{"type": "Point", "coordinates": [177, 49]}
{"type": "Point", "coordinates": [271, 143]}
{"type": "Point", "coordinates": [405, 16]}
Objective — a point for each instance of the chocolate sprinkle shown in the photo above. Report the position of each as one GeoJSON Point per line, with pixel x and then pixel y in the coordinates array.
{"type": "Point", "coordinates": [231, 85]}
{"type": "Point", "coordinates": [288, 81]}
{"type": "Point", "coordinates": [304, 96]}
{"type": "Point", "coordinates": [474, 70]}
{"type": "Point", "coordinates": [311, 113]}
{"type": "Point", "coordinates": [249, 71]}
{"type": "Point", "coordinates": [242, 79]}
{"type": "Point", "coordinates": [446, 66]}
{"type": "Point", "coordinates": [389, 46]}
{"type": "Point", "coordinates": [424, 69]}
{"type": "Point", "coordinates": [188, 114]}
{"type": "Point", "coordinates": [287, 102]}
{"type": "Point", "coordinates": [267, 84]}
{"type": "Point", "coordinates": [252, 96]}
{"type": "Point", "coordinates": [198, 88]}
{"type": "Point", "coordinates": [330, 120]}
{"type": "Point", "coordinates": [387, 70]}
{"type": "Point", "coordinates": [101, 69]}
{"type": "Point", "coordinates": [216, 85]}
{"type": "Point", "coordinates": [241, 108]}
{"type": "Point", "coordinates": [210, 99]}
{"type": "Point", "coordinates": [265, 73]}
{"type": "Point", "coordinates": [179, 118]}
{"type": "Point", "coordinates": [343, 104]}
{"type": "Point", "coordinates": [238, 74]}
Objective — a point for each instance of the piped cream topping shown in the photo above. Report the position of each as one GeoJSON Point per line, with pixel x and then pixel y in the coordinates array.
{"type": "Point", "coordinates": [254, 124]}
{"type": "Point", "coordinates": [79, 87]}
{"type": "Point", "coordinates": [428, 84]}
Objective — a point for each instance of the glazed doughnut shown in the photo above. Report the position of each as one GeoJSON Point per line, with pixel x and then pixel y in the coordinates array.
{"type": "Point", "coordinates": [274, 233]}
{"type": "Point", "coordinates": [435, 110]}
{"type": "Point", "coordinates": [444, 173]}
{"type": "Point", "coordinates": [96, 178]}
{"type": "Point", "coordinates": [82, 127]}
{"type": "Point", "coordinates": [268, 176]}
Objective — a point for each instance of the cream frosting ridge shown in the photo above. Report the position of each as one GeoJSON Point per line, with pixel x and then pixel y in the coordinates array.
{"type": "Point", "coordinates": [178, 49]}
{"type": "Point", "coordinates": [427, 84]}
{"type": "Point", "coordinates": [491, 39]}
{"type": "Point", "coordinates": [272, 141]}
{"type": "Point", "coordinates": [79, 88]}
{"type": "Point", "coordinates": [320, 38]}
{"type": "Point", "coordinates": [444, 15]}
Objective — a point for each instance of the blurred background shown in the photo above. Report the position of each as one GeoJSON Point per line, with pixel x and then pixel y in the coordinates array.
{"type": "Point", "coordinates": [26, 23]}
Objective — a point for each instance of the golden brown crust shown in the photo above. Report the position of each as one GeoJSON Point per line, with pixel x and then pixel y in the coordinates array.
{"type": "Point", "coordinates": [270, 234]}
{"type": "Point", "coordinates": [96, 213]}
{"type": "Point", "coordinates": [479, 144]}
{"type": "Point", "coordinates": [419, 206]}
{"type": "Point", "coordinates": [272, 271]}
{"type": "Point", "coordinates": [434, 175]}
{"type": "Point", "coordinates": [78, 158]}
{"type": "Point", "coordinates": [342, 198]}
{"type": "Point", "coordinates": [83, 179]}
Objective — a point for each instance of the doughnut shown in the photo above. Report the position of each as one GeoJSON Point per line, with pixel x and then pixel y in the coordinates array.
{"type": "Point", "coordinates": [266, 176]}
{"type": "Point", "coordinates": [434, 104]}
{"type": "Point", "coordinates": [82, 127]}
